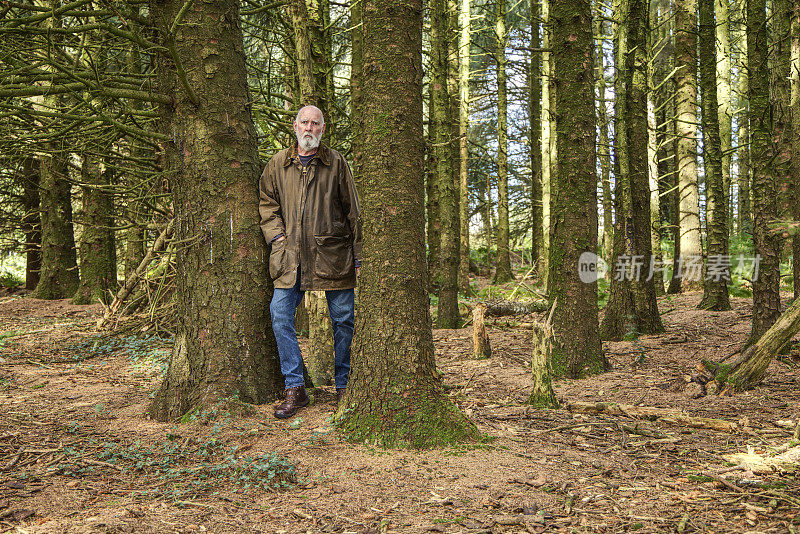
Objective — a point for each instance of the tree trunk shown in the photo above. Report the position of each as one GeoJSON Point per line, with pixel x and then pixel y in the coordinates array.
{"type": "Point", "coordinates": [632, 307]}
{"type": "Point", "coordinates": [395, 398]}
{"type": "Point", "coordinates": [31, 222]}
{"type": "Point", "coordinates": [320, 339]}
{"type": "Point", "coordinates": [547, 131]}
{"type": "Point", "coordinates": [717, 270]}
{"type": "Point", "coordinates": [542, 395]}
{"type": "Point", "coordinates": [794, 200]}
{"type": "Point", "coordinates": [503, 272]}
{"type": "Point", "coordinates": [750, 367]}
{"type": "Point", "coordinates": [745, 213]}
{"type": "Point", "coordinates": [58, 277]}
{"type": "Point", "coordinates": [464, 41]}
{"type": "Point", "coordinates": [604, 149]}
{"type": "Point", "coordinates": [535, 135]}
{"type": "Point", "coordinates": [98, 247]}
{"type": "Point", "coordinates": [447, 269]}
{"type": "Point", "coordinates": [725, 110]}
{"type": "Point", "coordinates": [577, 350]}
{"type": "Point", "coordinates": [655, 198]}
{"type": "Point", "coordinates": [481, 349]}
{"type": "Point", "coordinates": [766, 280]}
{"type": "Point", "coordinates": [686, 126]}
{"type": "Point", "coordinates": [222, 349]}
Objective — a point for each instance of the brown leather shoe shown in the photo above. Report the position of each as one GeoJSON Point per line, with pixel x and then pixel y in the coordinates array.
{"type": "Point", "coordinates": [340, 394]}
{"type": "Point", "coordinates": [296, 398]}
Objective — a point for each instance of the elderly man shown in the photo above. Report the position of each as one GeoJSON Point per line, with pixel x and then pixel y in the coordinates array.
{"type": "Point", "coordinates": [310, 215]}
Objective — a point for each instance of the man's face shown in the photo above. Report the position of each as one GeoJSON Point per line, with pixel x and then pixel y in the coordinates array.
{"type": "Point", "coordinates": [309, 129]}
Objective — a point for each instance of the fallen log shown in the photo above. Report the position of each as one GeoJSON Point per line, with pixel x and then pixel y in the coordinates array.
{"type": "Point", "coordinates": [749, 368]}
{"type": "Point", "coordinates": [106, 321]}
{"type": "Point", "coordinates": [500, 307]}
{"type": "Point", "coordinates": [664, 415]}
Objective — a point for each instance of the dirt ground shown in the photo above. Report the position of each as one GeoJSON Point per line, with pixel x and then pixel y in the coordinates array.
{"type": "Point", "coordinates": [77, 454]}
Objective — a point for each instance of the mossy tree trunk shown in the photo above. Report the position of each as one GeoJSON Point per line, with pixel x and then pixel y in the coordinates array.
{"type": "Point", "coordinates": [98, 248]}
{"type": "Point", "coordinates": [717, 271]}
{"type": "Point", "coordinates": [744, 206]}
{"type": "Point", "coordinates": [395, 398]}
{"type": "Point", "coordinates": [795, 109]}
{"type": "Point", "coordinates": [604, 147]}
{"type": "Point", "coordinates": [749, 369]}
{"type": "Point", "coordinates": [542, 394]}
{"type": "Point", "coordinates": [632, 307]}
{"type": "Point", "coordinates": [576, 348]}
{"type": "Point", "coordinates": [58, 277]}
{"type": "Point", "coordinates": [691, 253]}
{"type": "Point", "coordinates": [320, 339]}
{"type": "Point", "coordinates": [222, 346]}
{"type": "Point", "coordinates": [503, 272]}
{"type": "Point", "coordinates": [535, 133]}
{"type": "Point", "coordinates": [464, 45]}
{"type": "Point", "coordinates": [31, 222]}
{"type": "Point", "coordinates": [725, 109]}
{"type": "Point", "coordinates": [766, 282]}
{"type": "Point", "coordinates": [448, 196]}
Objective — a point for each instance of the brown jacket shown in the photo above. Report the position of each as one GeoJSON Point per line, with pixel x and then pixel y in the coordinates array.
{"type": "Point", "coordinates": [319, 214]}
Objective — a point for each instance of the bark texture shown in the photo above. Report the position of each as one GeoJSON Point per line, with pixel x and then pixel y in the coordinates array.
{"type": "Point", "coordinates": [503, 272]}
{"type": "Point", "coordinates": [58, 277]}
{"type": "Point", "coordinates": [31, 222]}
{"type": "Point", "coordinates": [98, 249]}
{"type": "Point", "coordinates": [395, 398]}
{"type": "Point", "coordinates": [222, 346]}
{"type": "Point", "coordinates": [535, 135]}
{"type": "Point", "coordinates": [717, 271]}
{"type": "Point", "coordinates": [766, 282]}
{"type": "Point", "coordinates": [576, 348]}
{"type": "Point", "coordinates": [691, 251]}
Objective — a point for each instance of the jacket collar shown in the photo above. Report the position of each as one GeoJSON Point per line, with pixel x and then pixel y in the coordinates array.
{"type": "Point", "coordinates": [323, 155]}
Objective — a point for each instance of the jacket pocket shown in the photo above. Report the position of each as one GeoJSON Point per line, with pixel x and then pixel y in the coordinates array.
{"type": "Point", "coordinates": [334, 256]}
{"type": "Point", "coordinates": [277, 259]}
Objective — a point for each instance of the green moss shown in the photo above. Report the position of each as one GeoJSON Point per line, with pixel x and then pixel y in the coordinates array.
{"type": "Point", "coordinates": [421, 422]}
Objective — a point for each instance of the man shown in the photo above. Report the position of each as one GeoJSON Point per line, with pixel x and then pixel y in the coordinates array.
{"type": "Point", "coordinates": [310, 215]}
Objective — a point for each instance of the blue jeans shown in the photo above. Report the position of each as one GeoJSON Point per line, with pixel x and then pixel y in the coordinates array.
{"type": "Point", "coordinates": [341, 305]}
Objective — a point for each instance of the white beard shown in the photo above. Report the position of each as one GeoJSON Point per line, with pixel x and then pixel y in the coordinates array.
{"type": "Point", "coordinates": [308, 141]}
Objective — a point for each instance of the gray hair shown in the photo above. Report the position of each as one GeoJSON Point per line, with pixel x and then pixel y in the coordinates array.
{"type": "Point", "coordinates": [297, 118]}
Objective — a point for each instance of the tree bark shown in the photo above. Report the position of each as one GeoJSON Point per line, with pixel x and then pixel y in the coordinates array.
{"type": "Point", "coordinates": [750, 367]}
{"type": "Point", "coordinates": [481, 349]}
{"type": "Point", "coordinates": [447, 268]}
{"type": "Point", "coordinates": [320, 339]}
{"type": "Point", "coordinates": [464, 42]}
{"type": "Point", "coordinates": [222, 349]}
{"type": "Point", "coordinates": [745, 213]}
{"type": "Point", "coordinates": [717, 270]}
{"type": "Point", "coordinates": [535, 134]}
{"type": "Point", "coordinates": [395, 398]}
{"type": "Point", "coordinates": [503, 272]}
{"type": "Point", "coordinates": [604, 148]}
{"type": "Point", "coordinates": [725, 109]}
{"type": "Point", "coordinates": [576, 350]}
{"type": "Point", "coordinates": [766, 280]}
{"type": "Point", "coordinates": [31, 221]}
{"type": "Point", "coordinates": [794, 191]}
{"type": "Point", "coordinates": [542, 395]}
{"type": "Point", "coordinates": [691, 252]}
{"type": "Point", "coordinates": [98, 249]}
{"type": "Point", "coordinates": [632, 306]}
{"type": "Point", "coordinates": [547, 138]}
{"type": "Point", "coordinates": [58, 277]}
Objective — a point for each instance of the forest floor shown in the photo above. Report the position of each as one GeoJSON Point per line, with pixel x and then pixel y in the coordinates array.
{"type": "Point", "coordinates": [77, 454]}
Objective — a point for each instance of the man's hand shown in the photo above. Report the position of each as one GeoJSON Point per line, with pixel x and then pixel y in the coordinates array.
{"type": "Point", "coordinates": [281, 238]}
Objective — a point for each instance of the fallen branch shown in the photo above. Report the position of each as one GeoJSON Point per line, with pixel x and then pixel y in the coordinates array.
{"type": "Point", "coordinates": [106, 321]}
{"type": "Point", "coordinates": [664, 415]}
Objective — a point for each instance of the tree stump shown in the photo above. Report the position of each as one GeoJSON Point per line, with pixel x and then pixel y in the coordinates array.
{"type": "Point", "coordinates": [480, 338]}
{"type": "Point", "coordinates": [320, 339]}
{"type": "Point", "coordinates": [542, 395]}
